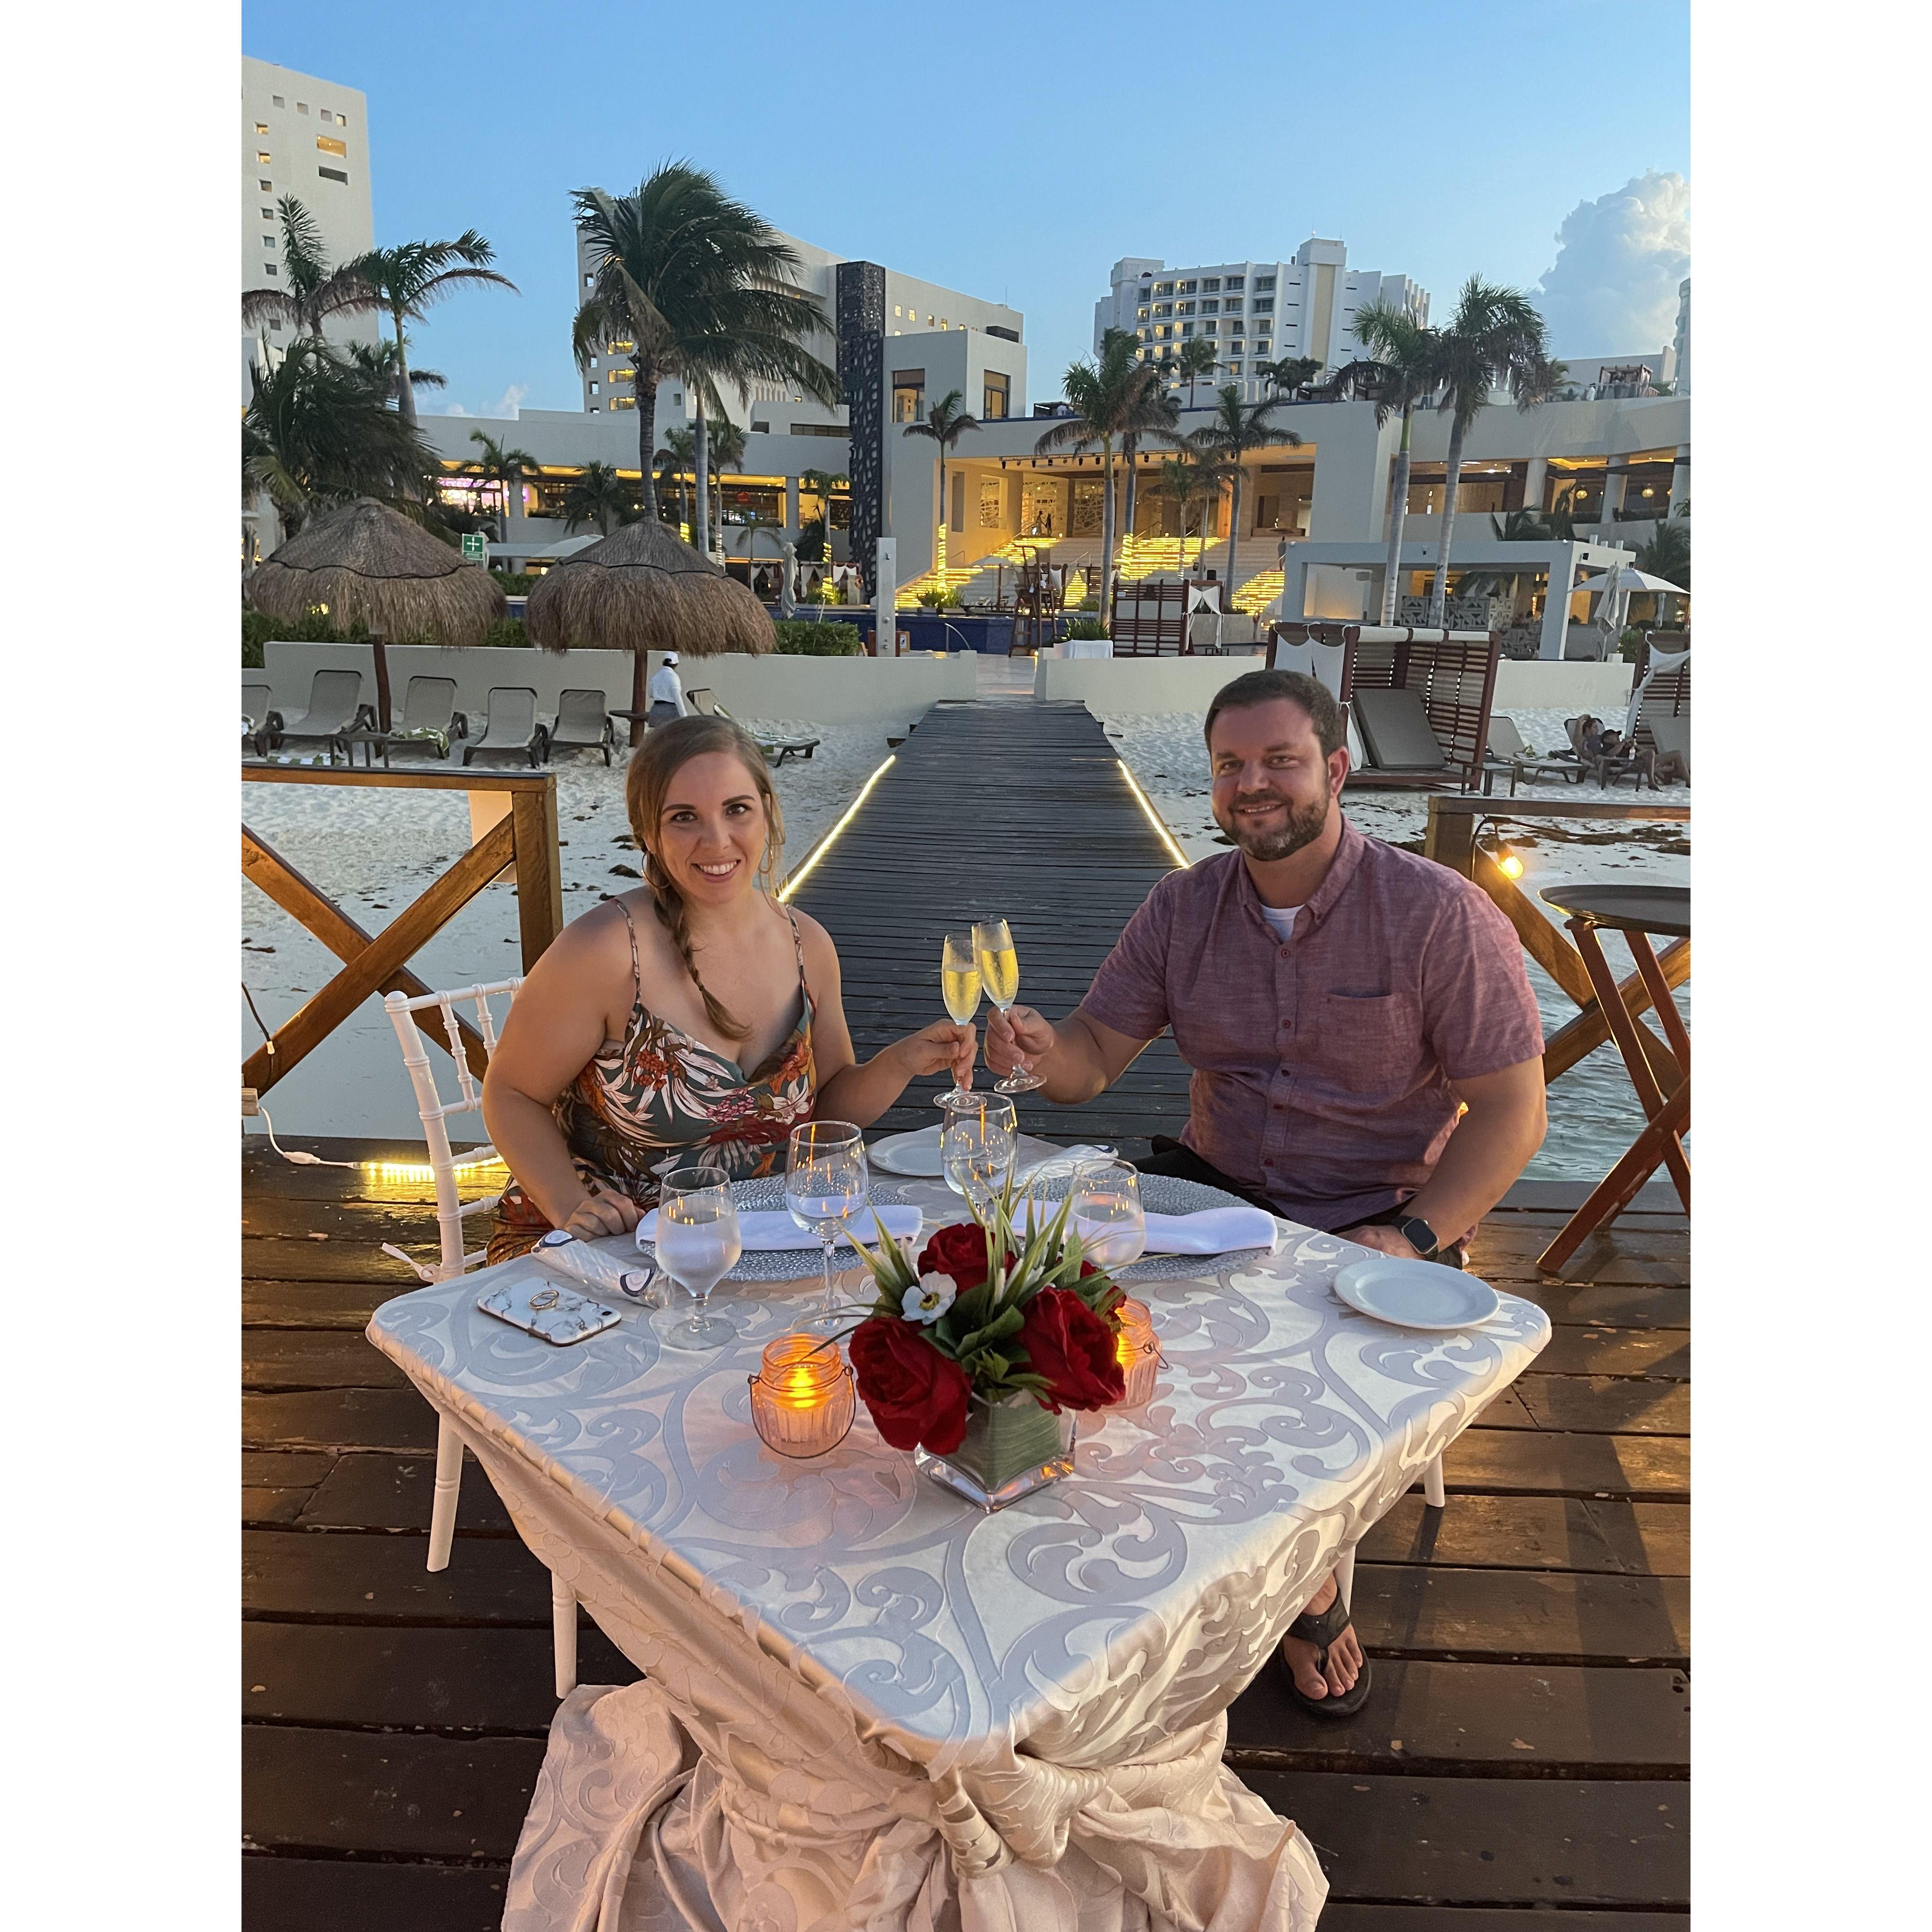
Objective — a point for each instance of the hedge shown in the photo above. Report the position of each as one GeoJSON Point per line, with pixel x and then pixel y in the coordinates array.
{"type": "Point", "coordinates": [800, 638]}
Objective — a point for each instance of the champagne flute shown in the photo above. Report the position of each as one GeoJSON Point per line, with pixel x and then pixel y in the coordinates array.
{"type": "Point", "coordinates": [959, 982]}
{"type": "Point", "coordinates": [826, 1183]}
{"type": "Point", "coordinates": [977, 1147]}
{"type": "Point", "coordinates": [1000, 972]}
{"type": "Point", "coordinates": [697, 1243]}
{"type": "Point", "coordinates": [1107, 1214]}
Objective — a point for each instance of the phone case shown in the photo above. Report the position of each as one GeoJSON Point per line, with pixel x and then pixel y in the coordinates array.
{"type": "Point", "coordinates": [556, 1315]}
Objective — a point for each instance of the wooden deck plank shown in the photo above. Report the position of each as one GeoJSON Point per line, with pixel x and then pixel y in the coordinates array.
{"type": "Point", "coordinates": [296, 1894]}
{"type": "Point", "coordinates": [351, 1579]}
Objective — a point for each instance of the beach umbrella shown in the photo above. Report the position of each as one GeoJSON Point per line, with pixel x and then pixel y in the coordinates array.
{"type": "Point", "coordinates": [642, 590]}
{"type": "Point", "coordinates": [368, 561]}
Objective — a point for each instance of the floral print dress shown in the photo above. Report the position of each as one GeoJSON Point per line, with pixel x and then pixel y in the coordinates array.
{"type": "Point", "coordinates": [660, 1092]}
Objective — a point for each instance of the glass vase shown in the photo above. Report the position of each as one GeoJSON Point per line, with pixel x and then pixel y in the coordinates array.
{"type": "Point", "coordinates": [1011, 1448]}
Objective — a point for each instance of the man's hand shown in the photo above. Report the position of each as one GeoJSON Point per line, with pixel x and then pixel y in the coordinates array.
{"type": "Point", "coordinates": [1384, 1240]}
{"type": "Point", "coordinates": [603, 1213]}
{"type": "Point", "coordinates": [1016, 1036]}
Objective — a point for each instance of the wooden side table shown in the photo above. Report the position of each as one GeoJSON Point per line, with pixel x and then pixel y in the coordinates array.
{"type": "Point", "coordinates": [1636, 911]}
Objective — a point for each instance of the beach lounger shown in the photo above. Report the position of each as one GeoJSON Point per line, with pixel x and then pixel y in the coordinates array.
{"type": "Point", "coordinates": [261, 722]}
{"type": "Point", "coordinates": [583, 723]}
{"type": "Point", "coordinates": [1673, 747]}
{"type": "Point", "coordinates": [1402, 749]}
{"type": "Point", "coordinates": [705, 705]}
{"type": "Point", "coordinates": [430, 720]}
{"type": "Point", "coordinates": [511, 727]}
{"type": "Point", "coordinates": [335, 708]}
{"type": "Point", "coordinates": [1508, 755]}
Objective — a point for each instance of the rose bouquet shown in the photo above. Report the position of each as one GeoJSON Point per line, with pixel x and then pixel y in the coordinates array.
{"type": "Point", "coordinates": [985, 1337]}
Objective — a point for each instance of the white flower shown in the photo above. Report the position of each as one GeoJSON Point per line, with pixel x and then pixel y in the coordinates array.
{"type": "Point", "coordinates": [928, 1298]}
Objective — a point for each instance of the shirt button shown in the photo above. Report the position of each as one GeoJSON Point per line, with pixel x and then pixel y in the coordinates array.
{"type": "Point", "coordinates": [1284, 951]}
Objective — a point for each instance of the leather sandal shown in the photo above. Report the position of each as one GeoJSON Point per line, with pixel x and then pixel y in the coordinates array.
{"type": "Point", "coordinates": [1322, 1631]}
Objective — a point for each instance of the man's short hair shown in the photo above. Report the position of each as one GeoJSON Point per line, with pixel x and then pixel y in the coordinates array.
{"type": "Point", "coordinates": [1265, 687]}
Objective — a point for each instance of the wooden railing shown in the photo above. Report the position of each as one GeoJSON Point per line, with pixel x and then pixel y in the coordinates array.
{"type": "Point", "coordinates": [1451, 840]}
{"type": "Point", "coordinates": [378, 962]}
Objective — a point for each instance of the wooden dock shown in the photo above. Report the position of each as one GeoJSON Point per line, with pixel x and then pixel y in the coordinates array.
{"type": "Point", "coordinates": [1526, 1746]}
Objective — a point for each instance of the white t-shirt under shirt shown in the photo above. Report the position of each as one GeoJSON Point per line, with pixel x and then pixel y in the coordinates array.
{"type": "Point", "coordinates": [1281, 918]}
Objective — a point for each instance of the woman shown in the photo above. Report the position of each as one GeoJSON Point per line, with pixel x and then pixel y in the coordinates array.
{"type": "Point", "coordinates": [695, 1013]}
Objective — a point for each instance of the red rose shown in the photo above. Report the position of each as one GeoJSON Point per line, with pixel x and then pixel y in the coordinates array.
{"type": "Point", "coordinates": [917, 1396]}
{"type": "Point", "coordinates": [959, 1251]}
{"type": "Point", "coordinates": [1074, 1349]}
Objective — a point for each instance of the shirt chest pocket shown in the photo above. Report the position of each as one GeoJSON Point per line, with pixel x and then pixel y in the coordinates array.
{"type": "Point", "coordinates": [1369, 1046]}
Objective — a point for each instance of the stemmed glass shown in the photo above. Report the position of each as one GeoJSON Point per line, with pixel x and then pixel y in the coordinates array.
{"type": "Point", "coordinates": [826, 1183]}
{"type": "Point", "coordinates": [1106, 1212]}
{"type": "Point", "coordinates": [1000, 973]}
{"type": "Point", "coordinates": [959, 982]}
{"type": "Point", "coordinates": [976, 1146]}
{"type": "Point", "coordinates": [698, 1243]}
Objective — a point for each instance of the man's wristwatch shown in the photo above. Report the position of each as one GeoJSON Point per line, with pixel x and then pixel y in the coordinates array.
{"type": "Point", "coordinates": [1419, 1234]}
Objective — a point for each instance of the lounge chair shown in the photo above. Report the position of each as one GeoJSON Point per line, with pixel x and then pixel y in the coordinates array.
{"type": "Point", "coordinates": [1508, 754]}
{"type": "Point", "coordinates": [510, 726]}
{"type": "Point", "coordinates": [705, 705]}
{"type": "Point", "coordinates": [1395, 734]}
{"type": "Point", "coordinates": [1673, 748]}
{"type": "Point", "coordinates": [335, 708]}
{"type": "Point", "coordinates": [430, 721]}
{"type": "Point", "coordinates": [261, 722]}
{"type": "Point", "coordinates": [583, 722]}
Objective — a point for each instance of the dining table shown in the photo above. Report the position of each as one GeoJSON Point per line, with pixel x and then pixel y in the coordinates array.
{"type": "Point", "coordinates": [865, 1702]}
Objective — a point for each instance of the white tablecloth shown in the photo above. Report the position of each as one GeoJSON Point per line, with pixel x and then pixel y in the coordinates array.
{"type": "Point", "coordinates": [1086, 647]}
{"type": "Point", "coordinates": [868, 1705]}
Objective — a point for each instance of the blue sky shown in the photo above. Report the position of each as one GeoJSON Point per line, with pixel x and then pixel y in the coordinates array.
{"type": "Point", "coordinates": [1015, 151]}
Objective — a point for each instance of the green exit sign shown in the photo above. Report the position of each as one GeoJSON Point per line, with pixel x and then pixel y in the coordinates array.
{"type": "Point", "coordinates": [476, 547]}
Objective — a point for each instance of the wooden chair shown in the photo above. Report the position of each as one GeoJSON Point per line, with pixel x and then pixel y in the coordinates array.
{"type": "Point", "coordinates": [451, 1211]}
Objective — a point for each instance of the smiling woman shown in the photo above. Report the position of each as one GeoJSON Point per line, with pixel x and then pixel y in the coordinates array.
{"type": "Point", "coordinates": [696, 1013]}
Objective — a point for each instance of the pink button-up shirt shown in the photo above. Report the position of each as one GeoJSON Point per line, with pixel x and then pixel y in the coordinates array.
{"type": "Point", "coordinates": [1322, 1067]}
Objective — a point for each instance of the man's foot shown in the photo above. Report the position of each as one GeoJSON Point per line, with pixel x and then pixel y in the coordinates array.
{"type": "Point", "coordinates": [1345, 1653]}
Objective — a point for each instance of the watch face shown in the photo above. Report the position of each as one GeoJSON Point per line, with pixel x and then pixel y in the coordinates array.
{"type": "Point", "coordinates": [1419, 1234]}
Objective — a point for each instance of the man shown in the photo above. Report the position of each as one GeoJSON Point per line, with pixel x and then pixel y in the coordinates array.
{"type": "Point", "coordinates": [667, 692]}
{"type": "Point", "coordinates": [1366, 1051]}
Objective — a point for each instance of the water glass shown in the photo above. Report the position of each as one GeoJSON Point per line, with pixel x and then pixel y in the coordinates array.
{"type": "Point", "coordinates": [1107, 1214]}
{"type": "Point", "coordinates": [826, 1183]}
{"type": "Point", "coordinates": [698, 1243]}
{"type": "Point", "coordinates": [977, 1145]}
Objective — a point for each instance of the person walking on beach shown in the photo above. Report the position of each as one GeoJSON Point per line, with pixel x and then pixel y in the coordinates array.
{"type": "Point", "coordinates": [1365, 1049]}
{"type": "Point", "coordinates": [667, 693]}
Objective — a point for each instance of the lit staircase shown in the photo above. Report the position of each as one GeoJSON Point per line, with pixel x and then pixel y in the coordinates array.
{"type": "Point", "coordinates": [1258, 593]}
{"type": "Point", "coordinates": [1142, 556]}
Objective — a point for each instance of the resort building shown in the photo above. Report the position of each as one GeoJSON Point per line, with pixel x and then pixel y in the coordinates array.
{"type": "Point", "coordinates": [307, 137]}
{"type": "Point", "coordinates": [1682, 344]}
{"type": "Point", "coordinates": [1251, 311]}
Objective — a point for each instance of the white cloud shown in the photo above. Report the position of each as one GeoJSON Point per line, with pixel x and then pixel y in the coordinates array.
{"type": "Point", "coordinates": [508, 405]}
{"type": "Point", "coordinates": [1613, 285]}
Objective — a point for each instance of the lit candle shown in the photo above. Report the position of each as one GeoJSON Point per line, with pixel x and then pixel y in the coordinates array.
{"type": "Point", "coordinates": [801, 1397]}
{"type": "Point", "coordinates": [1138, 1349]}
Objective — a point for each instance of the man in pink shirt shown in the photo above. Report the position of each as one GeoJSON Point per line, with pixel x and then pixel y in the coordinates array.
{"type": "Point", "coordinates": [1366, 1050]}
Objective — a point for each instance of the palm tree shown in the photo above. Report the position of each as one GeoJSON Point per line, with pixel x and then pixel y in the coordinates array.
{"type": "Point", "coordinates": [379, 362]}
{"type": "Point", "coordinates": [1237, 430]}
{"type": "Point", "coordinates": [1198, 358]}
{"type": "Point", "coordinates": [723, 442]}
{"type": "Point", "coordinates": [1495, 340]}
{"type": "Point", "coordinates": [504, 470]}
{"type": "Point", "coordinates": [414, 276]}
{"type": "Point", "coordinates": [311, 291]}
{"type": "Point", "coordinates": [701, 288]}
{"type": "Point", "coordinates": [946, 422]}
{"type": "Point", "coordinates": [599, 496]}
{"type": "Point", "coordinates": [1398, 373]}
{"type": "Point", "coordinates": [1112, 398]}
{"type": "Point", "coordinates": [678, 455]}
{"type": "Point", "coordinates": [1156, 414]}
{"type": "Point", "coordinates": [1185, 480]}
{"type": "Point", "coordinates": [1292, 374]}
{"type": "Point", "coordinates": [821, 483]}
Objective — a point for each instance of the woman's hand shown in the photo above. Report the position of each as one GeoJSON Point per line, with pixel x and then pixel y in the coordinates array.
{"type": "Point", "coordinates": [603, 1213]}
{"type": "Point", "coordinates": [938, 1047]}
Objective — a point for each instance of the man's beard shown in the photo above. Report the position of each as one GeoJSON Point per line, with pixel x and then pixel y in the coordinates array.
{"type": "Point", "coordinates": [1303, 827]}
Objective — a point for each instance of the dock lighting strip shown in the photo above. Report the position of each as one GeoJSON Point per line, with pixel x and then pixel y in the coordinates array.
{"type": "Point", "coordinates": [824, 845]}
{"type": "Point", "coordinates": [1154, 816]}
{"type": "Point", "coordinates": [396, 1171]}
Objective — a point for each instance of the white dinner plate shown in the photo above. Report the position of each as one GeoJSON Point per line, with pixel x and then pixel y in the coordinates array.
{"type": "Point", "coordinates": [1416, 1294]}
{"type": "Point", "coordinates": [914, 1153]}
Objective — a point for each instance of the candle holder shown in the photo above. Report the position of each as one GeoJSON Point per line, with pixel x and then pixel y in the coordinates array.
{"type": "Point", "coordinates": [801, 1397]}
{"type": "Point", "coordinates": [1139, 1352]}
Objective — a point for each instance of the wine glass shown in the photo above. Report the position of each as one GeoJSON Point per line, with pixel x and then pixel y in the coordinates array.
{"type": "Point", "coordinates": [697, 1243]}
{"type": "Point", "coordinates": [976, 1146]}
{"type": "Point", "coordinates": [1000, 974]}
{"type": "Point", "coordinates": [959, 982]}
{"type": "Point", "coordinates": [1106, 1212]}
{"type": "Point", "coordinates": [826, 1183]}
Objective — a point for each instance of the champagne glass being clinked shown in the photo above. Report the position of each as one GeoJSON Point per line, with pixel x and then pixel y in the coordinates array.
{"type": "Point", "coordinates": [959, 982]}
{"type": "Point", "coordinates": [1000, 973]}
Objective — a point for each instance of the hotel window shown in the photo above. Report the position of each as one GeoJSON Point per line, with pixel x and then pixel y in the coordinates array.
{"type": "Point", "coordinates": [619, 348]}
{"type": "Point", "coordinates": [275, 325]}
{"type": "Point", "coordinates": [908, 394]}
{"type": "Point", "coordinates": [898, 311]}
{"type": "Point", "coordinates": [1235, 327]}
{"type": "Point", "coordinates": [1163, 308]}
{"type": "Point", "coordinates": [1141, 313]}
{"type": "Point", "coordinates": [620, 375]}
{"type": "Point", "coordinates": [1183, 308]}
{"type": "Point", "coordinates": [1213, 283]}
{"type": "Point", "coordinates": [1263, 282]}
{"type": "Point", "coordinates": [593, 389]}
{"type": "Point", "coordinates": [1184, 288]}
{"type": "Point", "coordinates": [261, 160]}
{"type": "Point", "coordinates": [266, 187]}
{"type": "Point", "coordinates": [279, 102]}
{"type": "Point", "coordinates": [1262, 305]}
{"type": "Point", "coordinates": [334, 174]}
{"type": "Point", "coordinates": [267, 214]}
{"type": "Point", "coordinates": [1210, 308]}
{"type": "Point", "coordinates": [261, 127]}
{"type": "Point", "coordinates": [1234, 368]}
{"type": "Point", "coordinates": [1237, 281]}
{"type": "Point", "coordinates": [623, 402]}
{"type": "Point", "coordinates": [1145, 334]}
{"type": "Point", "coordinates": [301, 106]}
{"type": "Point", "coordinates": [270, 268]}
{"type": "Point", "coordinates": [1187, 328]}
{"type": "Point", "coordinates": [329, 144]}
{"type": "Point", "coordinates": [992, 514]}
{"type": "Point", "coordinates": [268, 240]}
{"type": "Point", "coordinates": [993, 409]}
{"type": "Point", "coordinates": [1163, 288]}
{"type": "Point", "coordinates": [327, 116]}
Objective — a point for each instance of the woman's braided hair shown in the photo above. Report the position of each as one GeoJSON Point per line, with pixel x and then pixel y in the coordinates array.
{"type": "Point", "coordinates": [667, 748]}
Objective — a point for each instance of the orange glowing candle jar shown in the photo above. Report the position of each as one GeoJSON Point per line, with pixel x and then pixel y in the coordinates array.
{"type": "Point", "coordinates": [1138, 1349]}
{"type": "Point", "coordinates": [803, 1396]}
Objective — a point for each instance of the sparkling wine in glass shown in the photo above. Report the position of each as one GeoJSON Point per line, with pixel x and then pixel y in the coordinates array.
{"type": "Point", "coordinates": [698, 1243]}
{"type": "Point", "coordinates": [826, 1183]}
{"type": "Point", "coordinates": [1000, 974]}
{"type": "Point", "coordinates": [977, 1147]}
{"type": "Point", "coordinates": [959, 982]}
{"type": "Point", "coordinates": [1106, 1212]}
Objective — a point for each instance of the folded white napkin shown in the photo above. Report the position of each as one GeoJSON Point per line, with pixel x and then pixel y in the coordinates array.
{"type": "Point", "coordinates": [772, 1230]}
{"type": "Point", "coordinates": [1214, 1231]}
{"type": "Point", "coordinates": [1062, 1161]}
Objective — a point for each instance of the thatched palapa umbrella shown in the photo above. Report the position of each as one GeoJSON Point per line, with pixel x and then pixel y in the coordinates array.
{"type": "Point", "coordinates": [368, 561]}
{"type": "Point", "coordinates": [643, 589]}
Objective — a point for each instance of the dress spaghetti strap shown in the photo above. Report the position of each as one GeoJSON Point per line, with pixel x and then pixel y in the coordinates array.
{"type": "Point", "coordinates": [636, 971]}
